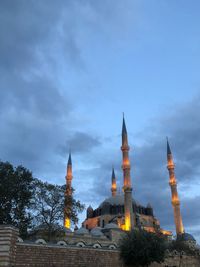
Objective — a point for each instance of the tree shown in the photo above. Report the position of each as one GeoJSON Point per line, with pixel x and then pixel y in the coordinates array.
{"type": "Point", "coordinates": [141, 248]}
{"type": "Point", "coordinates": [181, 246]}
{"type": "Point", "coordinates": [27, 202]}
{"type": "Point", "coordinates": [16, 190]}
{"type": "Point", "coordinates": [49, 201]}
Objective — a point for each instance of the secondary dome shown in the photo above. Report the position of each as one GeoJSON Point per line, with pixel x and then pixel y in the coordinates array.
{"type": "Point", "coordinates": [82, 231]}
{"type": "Point", "coordinates": [185, 237]}
{"type": "Point", "coordinates": [96, 231]}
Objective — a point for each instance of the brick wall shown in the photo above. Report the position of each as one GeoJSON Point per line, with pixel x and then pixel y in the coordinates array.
{"type": "Point", "coordinates": [15, 254]}
{"type": "Point", "coordinates": [176, 261]}
{"type": "Point", "coordinates": [54, 256]}
{"type": "Point", "coordinates": [8, 241]}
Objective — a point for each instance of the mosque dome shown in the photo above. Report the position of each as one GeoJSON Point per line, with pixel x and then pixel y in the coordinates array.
{"type": "Point", "coordinates": [115, 200]}
{"type": "Point", "coordinates": [82, 231]}
{"type": "Point", "coordinates": [96, 231]}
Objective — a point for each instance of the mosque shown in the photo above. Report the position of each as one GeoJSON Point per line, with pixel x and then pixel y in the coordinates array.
{"type": "Point", "coordinates": [119, 213]}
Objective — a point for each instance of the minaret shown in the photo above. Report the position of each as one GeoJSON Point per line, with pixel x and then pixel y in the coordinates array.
{"type": "Point", "coordinates": [68, 193]}
{"type": "Point", "coordinates": [114, 184]}
{"type": "Point", "coordinates": [129, 223]}
{"type": "Point", "coordinates": [175, 198]}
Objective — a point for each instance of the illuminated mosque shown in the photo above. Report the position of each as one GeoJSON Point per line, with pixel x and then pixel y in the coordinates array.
{"type": "Point", "coordinates": [121, 212]}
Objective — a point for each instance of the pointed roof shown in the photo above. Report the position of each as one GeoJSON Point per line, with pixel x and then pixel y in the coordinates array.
{"type": "Point", "coordinates": [124, 131]}
{"type": "Point", "coordinates": [69, 159]}
{"type": "Point", "coordinates": [113, 174]}
{"type": "Point", "coordinates": [90, 208]}
{"type": "Point", "coordinates": [168, 148]}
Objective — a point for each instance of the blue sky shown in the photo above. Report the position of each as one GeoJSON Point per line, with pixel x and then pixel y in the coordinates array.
{"type": "Point", "coordinates": [69, 69]}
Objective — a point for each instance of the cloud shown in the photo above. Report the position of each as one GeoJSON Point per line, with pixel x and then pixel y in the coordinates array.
{"type": "Point", "coordinates": [32, 31]}
{"type": "Point", "coordinates": [42, 46]}
{"type": "Point", "coordinates": [79, 142]}
{"type": "Point", "coordinates": [36, 113]}
{"type": "Point", "coordinates": [39, 34]}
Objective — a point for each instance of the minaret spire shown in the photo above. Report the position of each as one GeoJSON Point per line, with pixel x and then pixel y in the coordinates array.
{"type": "Point", "coordinates": [114, 184]}
{"type": "Point", "coordinates": [124, 133]}
{"type": "Point", "coordinates": [129, 223]}
{"type": "Point", "coordinates": [68, 193]}
{"type": "Point", "coordinates": [69, 159]}
{"type": "Point", "coordinates": [174, 192]}
{"type": "Point", "coordinates": [168, 148]}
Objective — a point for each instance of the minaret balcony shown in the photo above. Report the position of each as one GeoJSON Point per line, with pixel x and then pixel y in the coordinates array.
{"type": "Point", "coordinates": [175, 202]}
{"type": "Point", "coordinates": [172, 182]}
{"type": "Point", "coordinates": [127, 188]}
{"type": "Point", "coordinates": [170, 166]}
{"type": "Point", "coordinates": [125, 147]}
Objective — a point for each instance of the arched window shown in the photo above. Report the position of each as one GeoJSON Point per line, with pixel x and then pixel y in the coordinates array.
{"type": "Point", "coordinates": [80, 244]}
{"type": "Point", "coordinates": [96, 246]}
{"type": "Point", "coordinates": [112, 247]}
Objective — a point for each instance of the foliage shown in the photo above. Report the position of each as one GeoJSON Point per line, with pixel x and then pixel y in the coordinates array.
{"type": "Point", "coordinates": [16, 191]}
{"type": "Point", "coordinates": [141, 248]}
{"type": "Point", "coordinates": [47, 206]}
{"type": "Point", "coordinates": [26, 202]}
{"type": "Point", "coordinates": [180, 246]}
{"type": "Point", "coordinates": [49, 201]}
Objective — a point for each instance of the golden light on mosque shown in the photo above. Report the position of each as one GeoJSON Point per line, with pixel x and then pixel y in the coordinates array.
{"type": "Point", "coordinates": [67, 222]}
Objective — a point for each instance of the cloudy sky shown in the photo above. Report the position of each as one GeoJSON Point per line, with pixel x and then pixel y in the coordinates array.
{"type": "Point", "coordinates": [68, 69]}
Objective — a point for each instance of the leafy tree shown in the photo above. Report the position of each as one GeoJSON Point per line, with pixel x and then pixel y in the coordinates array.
{"type": "Point", "coordinates": [16, 190]}
{"type": "Point", "coordinates": [140, 248]}
{"type": "Point", "coordinates": [180, 246]}
{"type": "Point", "coordinates": [26, 202]}
{"type": "Point", "coordinates": [49, 203]}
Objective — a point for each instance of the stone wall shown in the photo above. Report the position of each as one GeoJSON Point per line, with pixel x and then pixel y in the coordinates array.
{"type": "Point", "coordinates": [13, 254]}
{"type": "Point", "coordinates": [8, 241]}
{"type": "Point", "coordinates": [176, 261]}
{"type": "Point", "coordinates": [54, 256]}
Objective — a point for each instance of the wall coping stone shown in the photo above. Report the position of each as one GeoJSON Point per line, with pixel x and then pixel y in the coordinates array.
{"type": "Point", "coordinates": [66, 247]}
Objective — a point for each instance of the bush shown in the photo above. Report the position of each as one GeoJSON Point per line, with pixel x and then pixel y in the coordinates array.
{"type": "Point", "coordinates": [181, 246]}
{"type": "Point", "coordinates": [141, 248]}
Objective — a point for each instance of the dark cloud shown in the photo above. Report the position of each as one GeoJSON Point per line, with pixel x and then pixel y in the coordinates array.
{"type": "Point", "coordinates": [35, 33]}
{"type": "Point", "coordinates": [190, 210]}
{"type": "Point", "coordinates": [36, 116]}
{"type": "Point", "coordinates": [79, 142]}
{"type": "Point", "coordinates": [31, 32]}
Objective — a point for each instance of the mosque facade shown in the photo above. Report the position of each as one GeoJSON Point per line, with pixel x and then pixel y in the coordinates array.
{"type": "Point", "coordinates": [120, 212]}
{"type": "Point", "coordinates": [122, 209]}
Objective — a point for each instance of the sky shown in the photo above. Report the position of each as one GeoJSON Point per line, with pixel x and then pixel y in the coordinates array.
{"type": "Point", "coordinates": [70, 68]}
